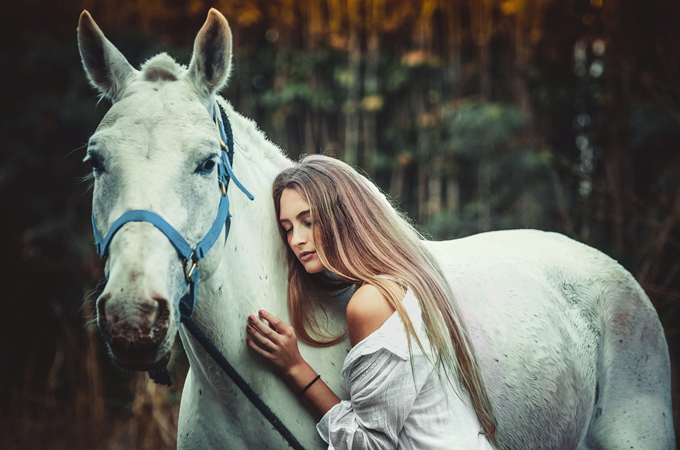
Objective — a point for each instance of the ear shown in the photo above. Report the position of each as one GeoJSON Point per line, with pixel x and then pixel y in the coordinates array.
{"type": "Point", "coordinates": [106, 68]}
{"type": "Point", "coordinates": [211, 60]}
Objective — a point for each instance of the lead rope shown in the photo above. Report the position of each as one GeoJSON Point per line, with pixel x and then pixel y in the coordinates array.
{"type": "Point", "coordinates": [209, 347]}
{"type": "Point", "coordinates": [162, 376]}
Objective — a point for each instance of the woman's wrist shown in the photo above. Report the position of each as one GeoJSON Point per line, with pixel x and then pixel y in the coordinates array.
{"type": "Point", "coordinates": [310, 389]}
{"type": "Point", "coordinates": [299, 376]}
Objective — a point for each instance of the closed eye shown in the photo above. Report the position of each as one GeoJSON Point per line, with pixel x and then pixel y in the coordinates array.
{"type": "Point", "coordinates": [288, 230]}
{"type": "Point", "coordinates": [96, 161]}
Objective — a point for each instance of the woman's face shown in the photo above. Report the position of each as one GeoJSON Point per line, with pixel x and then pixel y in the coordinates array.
{"type": "Point", "coordinates": [297, 225]}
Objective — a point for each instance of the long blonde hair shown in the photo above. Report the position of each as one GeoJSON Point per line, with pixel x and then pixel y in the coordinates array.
{"type": "Point", "coordinates": [360, 237]}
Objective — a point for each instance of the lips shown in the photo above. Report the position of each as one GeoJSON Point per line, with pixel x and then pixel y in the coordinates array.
{"type": "Point", "coordinates": [305, 255]}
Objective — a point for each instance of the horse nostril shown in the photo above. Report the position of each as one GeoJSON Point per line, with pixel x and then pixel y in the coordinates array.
{"type": "Point", "coordinates": [148, 311]}
{"type": "Point", "coordinates": [134, 322]}
{"type": "Point", "coordinates": [101, 314]}
{"type": "Point", "coordinates": [162, 313]}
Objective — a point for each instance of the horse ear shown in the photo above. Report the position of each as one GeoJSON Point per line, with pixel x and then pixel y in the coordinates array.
{"type": "Point", "coordinates": [106, 68]}
{"type": "Point", "coordinates": [211, 60]}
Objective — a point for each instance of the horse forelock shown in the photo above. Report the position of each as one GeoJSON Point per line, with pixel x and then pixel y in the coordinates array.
{"type": "Point", "coordinates": [162, 68]}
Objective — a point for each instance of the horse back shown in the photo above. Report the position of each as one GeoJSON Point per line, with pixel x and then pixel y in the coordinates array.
{"type": "Point", "coordinates": [540, 309]}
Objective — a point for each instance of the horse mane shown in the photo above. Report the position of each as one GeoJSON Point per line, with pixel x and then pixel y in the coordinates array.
{"type": "Point", "coordinates": [162, 68]}
{"type": "Point", "coordinates": [252, 141]}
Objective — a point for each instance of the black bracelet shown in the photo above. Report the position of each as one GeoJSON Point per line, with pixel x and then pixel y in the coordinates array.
{"type": "Point", "coordinates": [309, 385]}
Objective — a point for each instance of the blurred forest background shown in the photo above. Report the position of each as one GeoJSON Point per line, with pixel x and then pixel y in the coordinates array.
{"type": "Point", "coordinates": [475, 115]}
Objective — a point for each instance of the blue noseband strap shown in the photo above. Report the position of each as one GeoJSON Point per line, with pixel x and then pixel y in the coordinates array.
{"type": "Point", "coordinates": [139, 215]}
{"type": "Point", "coordinates": [189, 255]}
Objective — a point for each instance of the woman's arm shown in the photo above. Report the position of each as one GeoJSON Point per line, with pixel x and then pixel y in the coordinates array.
{"type": "Point", "coordinates": [277, 343]}
{"type": "Point", "coordinates": [367, 310]}
{"type": "Point", "coordinates": [383, 389]}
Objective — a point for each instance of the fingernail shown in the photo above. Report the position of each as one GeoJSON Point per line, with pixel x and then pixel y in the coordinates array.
{"type": "Point", "coordinates": [260, 312]}
{"type": "Point", "coordinates": [251, 318]}
{"type": "Point", "coordinates": [248, 327]}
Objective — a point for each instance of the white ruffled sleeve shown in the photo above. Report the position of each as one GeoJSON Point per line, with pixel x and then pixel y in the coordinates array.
{"type": "Point", "coordinates": [395, 403]}
{"type": "Point", "coordinates": [382, 392]}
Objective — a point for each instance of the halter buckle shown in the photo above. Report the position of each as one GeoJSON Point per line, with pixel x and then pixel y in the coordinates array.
{"type": "Point", "coordinates": [194, 264]}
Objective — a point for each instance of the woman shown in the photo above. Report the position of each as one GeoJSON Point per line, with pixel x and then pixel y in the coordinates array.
{"type": "Point", "coordinates": [429, 395]}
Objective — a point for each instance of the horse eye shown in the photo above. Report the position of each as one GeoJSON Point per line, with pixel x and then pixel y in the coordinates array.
{"type": "Point", "coordinates": [207, 166]}
{"type": "Point", "coordinates": [96, 164]}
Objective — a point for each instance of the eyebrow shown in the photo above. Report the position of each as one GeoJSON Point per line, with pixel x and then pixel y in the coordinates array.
{"type": "Point", "coordinates": [300, 214]}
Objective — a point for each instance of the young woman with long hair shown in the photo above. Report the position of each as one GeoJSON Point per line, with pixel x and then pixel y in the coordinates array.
{"type": "Point", "coordinates": [429, 395]}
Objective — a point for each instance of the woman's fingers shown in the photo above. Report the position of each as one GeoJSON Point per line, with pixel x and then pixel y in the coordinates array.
{"type": "Point", "coordinates": [257, 349]}
{"type": "Point", "coordinates": [272, 319]}
{"type": "Point", "coordinates": [275, 323]}
{"type": "Point", "coordinates": [263, 328]}
{"type": "Point", "coordinates": [274, 340]}
{"type": "Point", "coordinates": [262, 341]}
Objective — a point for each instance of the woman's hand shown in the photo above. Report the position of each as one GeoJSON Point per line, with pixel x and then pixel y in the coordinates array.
{"type": "Point", "coordinates": [275, 342]}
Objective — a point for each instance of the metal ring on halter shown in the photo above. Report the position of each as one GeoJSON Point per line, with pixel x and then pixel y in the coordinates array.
{"type": "Point", "coordinates": [194, 264]}
{"type": "Point", "coordinates": [224, 189]}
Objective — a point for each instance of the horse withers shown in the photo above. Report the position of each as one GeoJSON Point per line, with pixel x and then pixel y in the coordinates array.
{"type": "Point", "coordinates": [571, 350]}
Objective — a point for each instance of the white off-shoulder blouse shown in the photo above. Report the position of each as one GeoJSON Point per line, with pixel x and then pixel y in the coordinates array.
{"type": "Point", "coordinates": [391, 405]}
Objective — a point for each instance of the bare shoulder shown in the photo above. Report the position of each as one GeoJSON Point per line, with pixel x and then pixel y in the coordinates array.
{"type": "Point", "coordinates": [366, 311]}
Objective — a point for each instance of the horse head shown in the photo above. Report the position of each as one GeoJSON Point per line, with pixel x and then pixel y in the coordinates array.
{"type": "Point", "coordinates": [156, 149]}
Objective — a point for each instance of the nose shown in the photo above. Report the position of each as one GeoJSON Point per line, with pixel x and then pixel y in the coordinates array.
{"type": "Point", "coordinates": [133, 324]}
{"type": "Point", "coordinates": [299, 237]}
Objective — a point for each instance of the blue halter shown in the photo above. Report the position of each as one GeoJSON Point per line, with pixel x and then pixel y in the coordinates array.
{"type": "Point", "coordinates": [190, 256]}
{"type": "Point", "coordinates": [193, 256]}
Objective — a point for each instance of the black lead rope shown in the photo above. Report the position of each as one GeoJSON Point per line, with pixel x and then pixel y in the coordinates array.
{"type": "Point", "coordinates": [162, 376]}
{"type": "Point", "coordinates": [200, 336]}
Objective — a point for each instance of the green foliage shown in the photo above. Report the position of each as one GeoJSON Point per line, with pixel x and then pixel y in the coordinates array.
{"type": "Point", "coordinates": [398, 77]}
{"type": "Point", "coordinates": [480, 127]}
{"type": "Point", "coordinates": [521, 194]}
{"type": "Point", "coordinates": [297, 92]}
{"type": "Point", "coordinates": [298, 95]}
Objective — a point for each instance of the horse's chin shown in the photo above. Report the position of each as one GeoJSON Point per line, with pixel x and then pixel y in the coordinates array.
{"type": "Point", "coordinates": [144, 367]}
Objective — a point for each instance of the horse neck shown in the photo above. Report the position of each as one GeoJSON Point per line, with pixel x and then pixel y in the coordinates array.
{"type": "Point", "coordinates": [251, 272]}
{"type": "Point", "coordinates": [251, 275]}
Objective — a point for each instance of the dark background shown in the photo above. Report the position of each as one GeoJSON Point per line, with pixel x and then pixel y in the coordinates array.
{"type": "Point", "coordinates": [475, 115]}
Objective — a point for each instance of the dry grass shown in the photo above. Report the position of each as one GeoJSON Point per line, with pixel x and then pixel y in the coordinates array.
{"type": "Point", "coordinates": [114, 410]}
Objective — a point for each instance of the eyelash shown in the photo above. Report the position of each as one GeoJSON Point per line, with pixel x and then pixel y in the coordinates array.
{"type": "Point", "coordinates": [307, 224]}
{"type": "Point", "coordinates": [96, 161]}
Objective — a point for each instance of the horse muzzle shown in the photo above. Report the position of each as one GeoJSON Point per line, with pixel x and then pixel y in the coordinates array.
{"type": "Point", "coordinates": [135, 330]}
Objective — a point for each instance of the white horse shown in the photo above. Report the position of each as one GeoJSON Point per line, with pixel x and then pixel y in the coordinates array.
{"type": "Point", "coordinates": [571, 350]}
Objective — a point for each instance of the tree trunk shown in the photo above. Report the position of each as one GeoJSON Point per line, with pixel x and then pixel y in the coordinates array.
{"type": "Point", "coordinates": [397, 180]}
{"type": "Point", "coordinates": [454, 69]}
{"type": "Point", "coordinates": [484, 222]}
{"type": "Point", "coordinates": [352, 110]}
{"type": "Point", "coordinates": [434, 189]}
{"type": "Point", "coordinates": [452, 193]}
{"type": "Point", "coordinates": [371, 86]}
{"type": "Point", "coordinates": [481, 22]}
{"type": "Point", "coordinates": [423, 167]}
{"type": "Point", "coordinates": [519, 83]}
